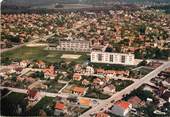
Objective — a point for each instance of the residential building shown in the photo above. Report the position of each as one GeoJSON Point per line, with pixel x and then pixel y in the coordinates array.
{"type": "Point", "coordinates": [121, 108]}
{"type": "Point", "coordinates": [72, 45]}
{"type": "Point", "coordinates": [33, 95]}
{"type": "Point", "coordinates": [79, 91]}
{"type": "Point", "coordinates": [59, 108]}
{"type": "Point", "coordinates": [110, 89]}
{"type": "Point", "coordinates": [85, 82]}
{"type": "Point", "coordinates": [89, 70]}
{"type": "Point", "coordinates": [49, 72]}
{"type": "Point", "coordinates": [77, 76]}
{"type": "Point", "coordinates": [112, 58]}
{"type": "Point", "coordinates": [98, 81]}
{"type": "Point", "coordinates": [135, 101]}
{"type": "Point", "coordinates": [102, 114]}
{"type": "Point", "coordinates": [85, 103]}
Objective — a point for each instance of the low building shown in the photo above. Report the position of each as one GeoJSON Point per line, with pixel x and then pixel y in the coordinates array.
{"type": "Point", "coordinates": [102, 114]}
{"type": "Point", "coordinates": [49, 73]}
{"type": "Point", "coordinates": [24, 63]}
{"type": "Point", "coordinates": [33, 95]}
{"type": "Point", "coordinates": [98, 81]}
{"type": "Point", "coordinates": [72, 45]}
{"type": "Point", "coordinates": [59, 108]}
{"type": "Point", "coordinates": [85, 82]}
{"type": "Point", "coordinates": [110, 89]}
{"type": "Point", "coordinates": [89, 70]}
{"type": "Point", "coordinates": [112, 58]}
{"type": "Point", "coordinates": [85, 103]}
{"type": "Point", "coordinates": [112, 72]}
{"type": "Point", "coordinates": [136, 101]}
{"type": "Point", "coordinates": [77, 76]}
{"type": "Point", "coordinates": [121, 108]}
{"type": "Point", "coordinates": [41, 64]}
{"type": "Point", "coordinates": [79, 91]}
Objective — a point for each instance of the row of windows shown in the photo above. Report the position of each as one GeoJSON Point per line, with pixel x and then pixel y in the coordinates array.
{"type": "Point", "coordinates": [112, 58]}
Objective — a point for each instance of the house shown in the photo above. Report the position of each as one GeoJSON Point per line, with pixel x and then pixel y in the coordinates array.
{"type": "Point", "coordinates": [77, 76]}
{"type": "Point", "coordinates": [89, 70]}
{"type": "Point", "coordinates": [121, 108]}
{"type": "Point", "coordinates": [79, 91]}
{"type": "Point", "coordinates": [77, 68]}
{"type": "Point", "coordinates": [85, 82]}
{"type": "Point", "coordinates": [49, 72]}
{"type": "Point", "coordinates": [111, 72]}
{"type": "Point", "coordinates": [98, 81]}
{"type": "Point", "coordinates": [110, 89]}
{"type": "Point", "coordinates": [59, 108]}
{"type": "Point", "coordinates": [41, 64]}
{"type": "Point", "coordinates": [136, 101]}
{"type": "Point", "coordinates": [85, 103]}
{"type": "Point", "coordinates": [33, 95]}
{"type": "Point", "coordinates": [102, 114]}
{"type": "Point", "coordinates": [24, 63]}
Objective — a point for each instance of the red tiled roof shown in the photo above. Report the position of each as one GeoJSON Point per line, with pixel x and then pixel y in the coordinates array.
{"type": "Point", "coordinates": [32, 93]}
{"type": "Point", "coordinates": [134, 100]}
{"type": "Point", "coordinates": [59, 106]}
{"type": "Point", "coordinates": [79, 89]}
{"type": "Point", "coordinates": [123, 104]}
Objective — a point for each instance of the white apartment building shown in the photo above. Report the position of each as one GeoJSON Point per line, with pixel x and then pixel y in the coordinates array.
{"type": "Point", "coordinates": [112, 58]}
{"type": "Point", "coordinates": [72, 45]}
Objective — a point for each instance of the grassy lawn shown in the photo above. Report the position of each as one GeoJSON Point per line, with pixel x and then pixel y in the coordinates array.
{"type": "Point", "coordinates": [94, 93]}
{"type": "Point", "coordinates": [38, 53]}
{"type": "Point", "coordinates": [54, 86]}
{"type": "Point", "coordinates": [121, 84]}
{"type": "Point", "coordinates": [9, 103]}
{"type": "Point", "coordinates": [45, 104]}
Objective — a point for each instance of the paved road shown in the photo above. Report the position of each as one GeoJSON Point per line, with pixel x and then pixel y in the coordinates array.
{"type": "Point", "coordinates": [119, 95]}
{"type": "Point", "coordinates": [21, 45]}
{"type": "Point", "coordinates": [64, 95]}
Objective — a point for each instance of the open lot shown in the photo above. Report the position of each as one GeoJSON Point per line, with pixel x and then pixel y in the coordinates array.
{"type": "Point", "coordinates": [38, 53]}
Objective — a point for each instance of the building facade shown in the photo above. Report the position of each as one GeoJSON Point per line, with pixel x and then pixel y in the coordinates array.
{"type": "Point", "coordinates": [112, 58]}
{"type": "Point", "coordinates": [72, 45]}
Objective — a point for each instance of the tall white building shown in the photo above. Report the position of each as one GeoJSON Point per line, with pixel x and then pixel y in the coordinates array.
{"type": "Point", "coordinates": [112, 58]}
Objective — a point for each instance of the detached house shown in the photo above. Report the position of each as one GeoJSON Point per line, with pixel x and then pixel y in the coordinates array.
{"type": "Point", "coordinates": [24, 63]}
{"type": "Point", "coordinates": [98, 81]}
{"type": "Point", "coordinates": [85, 103]}
{"type": "Point", "coordinates": [41, 64]}
{"type": "Point", "coordinates": [110, 89]}
{"type": "Point", "coordinates": [79, 91]}
{"type": "Point", "coordinates": [77, 76]}
{"type": "Point", "coordinates": [49, 72]}
{"type": "Point", "coordinates": [59, 108]}
{"type": "Point", "coordinates": [121, 108]}
{"type": "Point", "coordinates": [33, 95]}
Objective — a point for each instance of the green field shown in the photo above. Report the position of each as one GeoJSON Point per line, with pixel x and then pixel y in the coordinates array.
{"type": "Point", "coordinates": [38, 53]}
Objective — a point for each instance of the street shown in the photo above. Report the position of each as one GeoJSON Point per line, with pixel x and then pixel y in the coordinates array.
{"type": "Point", "coordinates": [119, 95]}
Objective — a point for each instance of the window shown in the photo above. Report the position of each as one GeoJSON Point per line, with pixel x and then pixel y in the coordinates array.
{"type": "Point", "coordinates": [111, 58]}
{"type": "Point", "coordinates": [99, 57]}
{"type": "Point", "coordinates": [123, 59]}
